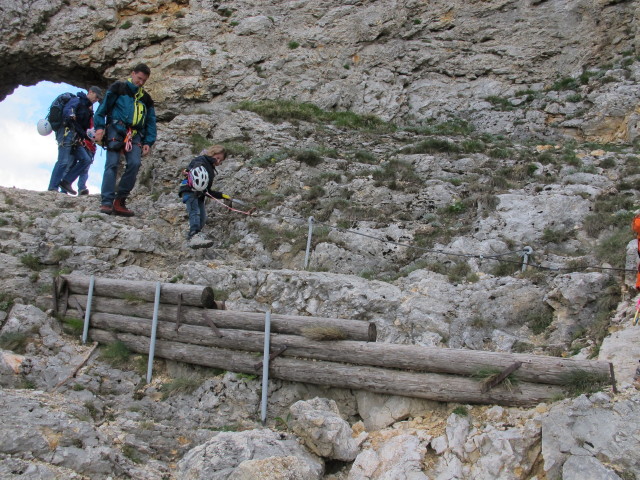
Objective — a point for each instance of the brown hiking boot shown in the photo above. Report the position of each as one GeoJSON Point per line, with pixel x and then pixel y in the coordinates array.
{"type": "Point", "coordinates": [108, 209]}
{"type": "Point", "coordinates": [119, 208]}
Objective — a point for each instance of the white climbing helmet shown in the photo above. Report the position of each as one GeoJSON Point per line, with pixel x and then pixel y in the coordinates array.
{"type": "Point", "coordinates": [199, 178]}
{"type": "Point", "coordinates": [44, 127]}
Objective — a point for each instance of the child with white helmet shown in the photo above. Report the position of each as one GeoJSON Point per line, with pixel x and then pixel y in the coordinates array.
{"type": "Point", "coordinates": [196, 185]}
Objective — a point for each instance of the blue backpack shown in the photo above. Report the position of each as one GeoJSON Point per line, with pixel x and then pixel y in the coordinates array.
{"type": "Point", "coordinates": [55, 110]}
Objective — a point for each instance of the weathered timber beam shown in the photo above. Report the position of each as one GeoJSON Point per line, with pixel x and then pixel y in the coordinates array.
{"type": "Point", "coordinates": [430, 386]}
{"type": "Point", "coordinates": [194, 295]}
{"type": "Point", "coordinates": [533, 368]}
{"type": "Point", "coordinates": [286, 324]}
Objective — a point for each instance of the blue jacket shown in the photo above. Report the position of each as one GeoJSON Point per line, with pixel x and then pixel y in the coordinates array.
{"type": "Point", "coordinates": [119, 107]}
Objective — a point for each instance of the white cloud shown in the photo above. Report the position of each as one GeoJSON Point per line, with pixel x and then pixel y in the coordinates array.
{"type": "Point", "coordinates": [27, 158]}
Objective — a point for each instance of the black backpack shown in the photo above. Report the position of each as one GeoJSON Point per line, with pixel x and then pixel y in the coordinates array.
{"type": "Point", "coordinates": [55, 110]}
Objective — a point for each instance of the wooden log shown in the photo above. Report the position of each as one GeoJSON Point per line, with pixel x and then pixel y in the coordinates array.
{"type": "Point", "coordinates": [430, 386]}
{"type": "Point", "coordinates": [194, 295]}
{"type": "Point", "coordinates": [286, 324]}
{"type": "Point", "coordinates": [533, 368]}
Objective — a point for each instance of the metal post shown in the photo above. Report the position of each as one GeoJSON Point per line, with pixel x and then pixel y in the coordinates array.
{"type": "Point", "coordinates": [87, 314]}
{"type": "Point", "coordinates": [306, 255]}
{"type": "Point", "coordinates": [527, 251]}
{"type": "Point", "coordinates": [265, 366]}
{"type": "Point", "coordinates": [154, 328]}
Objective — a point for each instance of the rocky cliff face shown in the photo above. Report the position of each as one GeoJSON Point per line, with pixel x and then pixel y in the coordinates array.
{"type": "Point", "coordinates": [475, 129]}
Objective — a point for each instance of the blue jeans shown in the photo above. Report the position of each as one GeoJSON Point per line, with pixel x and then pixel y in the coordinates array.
{"type": "Point", "coordinates": [80, 167]}
{"type": "Point", "coordinates": [128, 180]}
{"type": "Point", "coordinates": [197, 212]}
{"type": "Point", "coordinates": [65, 138]}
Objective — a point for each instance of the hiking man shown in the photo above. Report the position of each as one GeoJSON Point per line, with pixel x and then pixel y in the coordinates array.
{"type": "Point", "coordinates": [127, 117]}
{"type": "Point", "coordinates": [76, 115]}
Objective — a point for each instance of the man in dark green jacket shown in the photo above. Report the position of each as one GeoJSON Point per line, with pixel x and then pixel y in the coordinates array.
{"type": "Point", "coordinates": [125, 123]}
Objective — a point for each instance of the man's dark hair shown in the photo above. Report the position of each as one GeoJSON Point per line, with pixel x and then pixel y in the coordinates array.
{"type": "Point", "coordinates": [142, 68]}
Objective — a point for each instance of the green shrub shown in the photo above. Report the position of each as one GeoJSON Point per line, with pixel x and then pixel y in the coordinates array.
{"type": "Point", "coordinates": [461, 410]}
{"type": "Point", "coordinates": [453, 126]}
{"type": "Point", "coordinates": [199, 143]}
{"type": "Point", "coordinates": [126, 25]}
{"type": "Point", "coordinates": [499, 103]}
{"type": "Point", "coordinates": [538, 318]}
{"type": "Point", "coordinates": [557, 236]}
{"type": "Point", "coordinates": [116, 353]}
{"type": "Point", "coordinates": [293, 44]}
{"type": "Point", "coordinates": [14, 341]}
{"type": "Point", "coordinates": [60, 254]}
{"type": "Point", "coordinates": [270, 158]}
{"type": "Point", "coordinates": [287, 110]}
{"type": "Point", "coordinates": [32, 262]}
{"type": "Point", "coordinates": [432, 145]}
{"type": "Point", "coordinates": [131, 453]}
{"type": "Point", "coordinates": [72, 325]}
{"type": "Point", "coordinates": [180, 385]}
{"type": "Point", "coordinates": [458, 272]}
{"type": "Point", "coordinates": [612, 248]}
{"type": "Point", "coordinates": [581, 382]}
{"type": "Point", "coordinates": [310, 157]}
{"type": "Point", "coordinates": [504, 269]}
{"type": "Point", "coordinates": [6, 302]}
{"type": "Point", "coordinates": [567, 83]}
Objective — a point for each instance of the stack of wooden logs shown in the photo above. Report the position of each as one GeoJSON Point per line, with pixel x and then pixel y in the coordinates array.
{"type": "Point", "coordinates": [193, 328]}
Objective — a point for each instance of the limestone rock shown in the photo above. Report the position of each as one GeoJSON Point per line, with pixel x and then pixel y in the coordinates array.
{"type": "Point", "coordinates": [379, 411]}
{"type": "Point", "coordinates": [580, 467]}
{"type": "Point", "coordinates": [399, 457]}
{"type": "Point", "coordinates": [223, 455]}
{"type": "Point", "coordinates": [318, 424]}
{"type": "Point", "coordinates": [591, 427]}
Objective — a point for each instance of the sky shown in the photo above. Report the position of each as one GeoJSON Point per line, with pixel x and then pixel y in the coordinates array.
{"type": "Point", "coordinates": [26, 157]}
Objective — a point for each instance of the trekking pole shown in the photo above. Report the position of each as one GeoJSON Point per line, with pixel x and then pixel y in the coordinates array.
{"type": "Point", "coordinates": [306, 255]}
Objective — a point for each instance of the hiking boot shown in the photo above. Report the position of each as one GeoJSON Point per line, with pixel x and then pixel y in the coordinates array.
{"type": "Point", "coordinates": [66, 186]}
{"type": "Point", "coordinates": [108, 209]}
{"type": "Point", "coordinates": [200, 241]}
{"type": "Point", "coordinates": [119, 208]}
{"type": "Point", "coordinates": [84, 191]}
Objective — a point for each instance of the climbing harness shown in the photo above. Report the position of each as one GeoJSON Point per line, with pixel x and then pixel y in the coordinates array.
{"type": "Point", "coordinates": [128, 140]}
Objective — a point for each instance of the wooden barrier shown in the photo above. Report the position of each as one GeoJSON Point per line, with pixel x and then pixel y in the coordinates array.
{"type": "Point", "coordinates": [431, 386]}
{"type": "Point", "coordinates": [230, 340]}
